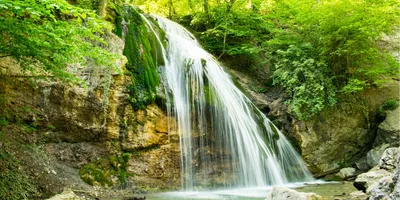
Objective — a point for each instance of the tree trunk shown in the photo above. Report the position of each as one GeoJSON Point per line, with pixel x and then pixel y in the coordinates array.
{"type": "Point", "coordinates": [206, 10]}
{"type": "Point", "coordinates": [229, 4]}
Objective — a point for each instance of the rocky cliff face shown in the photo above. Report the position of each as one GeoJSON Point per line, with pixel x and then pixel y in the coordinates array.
{"type": "Point", "coordinates": [75, 135]}
{"type": "Point", "coordinates": [337, 137]}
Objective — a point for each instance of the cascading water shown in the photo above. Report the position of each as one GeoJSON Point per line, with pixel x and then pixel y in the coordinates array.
{"type": "Point", "coordinates": [225, 140]}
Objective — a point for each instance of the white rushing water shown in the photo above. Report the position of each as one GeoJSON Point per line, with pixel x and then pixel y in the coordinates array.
{"type": "Point", "coordinates": [225, 140]}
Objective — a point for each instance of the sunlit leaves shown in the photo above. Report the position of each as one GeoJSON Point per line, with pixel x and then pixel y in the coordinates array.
{"type": "Point", "coordinates": [48, 35]}
{"type": "Point", "coordinates": [305, 79]}
{"type": "Point", "coordinates": [344, 35]}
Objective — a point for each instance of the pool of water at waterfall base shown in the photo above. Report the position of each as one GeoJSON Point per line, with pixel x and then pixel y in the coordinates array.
{"type": "Point", "coordinates": [328, 190]}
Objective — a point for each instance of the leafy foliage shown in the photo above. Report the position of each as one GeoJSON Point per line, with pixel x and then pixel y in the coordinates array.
{"type": "Point", "coordinates": [304, 80]}
{"type": "Point", "coordinates": [48, 35]}
{"type": "Point", "coordinates": [14, 184]}
{"type": "Point", "coordinates": [315, 49]}
{"type": "Point", "coordinates": [344, 37]}
{"type": "Point", "coordinates": [390, 104]}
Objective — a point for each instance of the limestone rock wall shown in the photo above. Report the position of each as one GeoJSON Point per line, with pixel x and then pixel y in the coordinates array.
{"type": "Point", "coordinates": [339, 136]}
{"type": "Point", "coordinates": [343, 134]}
{"type": "Point", "coordinates": [70, 128]}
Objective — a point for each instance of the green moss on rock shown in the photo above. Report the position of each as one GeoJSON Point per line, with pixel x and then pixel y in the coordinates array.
{"type": "Point", "coordinates": [143, 52]}
{"type": "Point", "coordinates": [103, 171]}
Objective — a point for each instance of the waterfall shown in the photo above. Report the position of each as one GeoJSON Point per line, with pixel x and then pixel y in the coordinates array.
{"type": "Point", "coordinates": [225, 141]}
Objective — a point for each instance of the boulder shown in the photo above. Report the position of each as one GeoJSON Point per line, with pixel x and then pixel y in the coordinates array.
{"type": "Point", "coordinates": [381, 182]}
{"type": "Point", "coordinates": [389, 159]}
{"type": "Point", "coordinates": [358, 195]}
{"type": "Point", "coordinates": [362, 164]}
{"type": "Point", "coordinates": [374, 155]}
{"type": "Point", "coordinates": [323, 139]}
{"type": "Point", "coordinates": [347, 173]}
{"type": "Point", "coordinates": [366, 180]}
{"type": "Point", "coordinates": [389, 130]}
{"type": "Point", "coordinates": [280, 193]}
{"type": "Point", "coordinates": [387, 187]}
{"type": "Point", "coordinates": [67, 194]}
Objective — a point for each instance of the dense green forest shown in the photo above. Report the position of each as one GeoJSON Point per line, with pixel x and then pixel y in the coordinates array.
{"type": "Point", "coordinates": [317, 51]}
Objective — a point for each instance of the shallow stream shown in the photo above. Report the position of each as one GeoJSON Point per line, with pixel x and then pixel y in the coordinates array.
{"type": "Point", "coordinates": [329, 190]}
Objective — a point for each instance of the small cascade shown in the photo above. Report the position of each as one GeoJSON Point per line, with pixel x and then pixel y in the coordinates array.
{"type": "Point", "coordinates": [225, 140]}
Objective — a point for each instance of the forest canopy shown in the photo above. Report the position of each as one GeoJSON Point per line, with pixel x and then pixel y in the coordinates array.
{"type": "Point", "coordinates": [318, 50]}
{"type": "Point", "coordinates": [48, 35]}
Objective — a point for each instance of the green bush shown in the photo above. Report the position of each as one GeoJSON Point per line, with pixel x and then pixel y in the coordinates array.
{"type": "Point", "coordinates": [14, 184]}
{"type": "Point", "coordinates": [304, 79]}
{"type": "Point", "coordinates": [390, 104]}
{"type": "Point", "coordinates": [343, 54]}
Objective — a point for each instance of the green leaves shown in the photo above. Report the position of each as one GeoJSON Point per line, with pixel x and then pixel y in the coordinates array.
{"type": "Point", "coordinates": [315, 49]}
{"type": "Point", "coordinates": [332, 45]}
{"type": "Point", "coordinates": [46, 36]}
{"type": "Point", "coordinates": [304, 79]}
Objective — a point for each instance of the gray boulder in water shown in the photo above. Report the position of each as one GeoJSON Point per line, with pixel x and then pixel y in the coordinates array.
{"type": "Point", "coordinates": [346, 173]}
{"type": "Point", "coordinates": [280, 193]}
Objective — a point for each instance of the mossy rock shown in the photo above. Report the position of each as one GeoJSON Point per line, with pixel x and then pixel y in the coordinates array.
{"type": "Point", "coordinates": [103, 172]}
{"type": "Point", "coordinates": [144, 54]}
{"type": "Point", "coordinates": [97, 173]}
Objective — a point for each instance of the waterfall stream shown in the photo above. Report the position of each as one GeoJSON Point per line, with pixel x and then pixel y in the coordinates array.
{"type": "Point", "coordinates": [225, 141]}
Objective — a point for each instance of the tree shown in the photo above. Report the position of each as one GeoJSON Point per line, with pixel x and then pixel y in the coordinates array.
{"type": "Point", "coordinates": [46, 36]}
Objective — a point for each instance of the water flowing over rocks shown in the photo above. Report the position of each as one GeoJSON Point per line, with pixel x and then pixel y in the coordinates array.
{"type": "Point", "coordinates": [338, 137]}
{"type": "Point", "coordinates": [225, 140]}
{"type": "Point", "coordinates": [65, 128]}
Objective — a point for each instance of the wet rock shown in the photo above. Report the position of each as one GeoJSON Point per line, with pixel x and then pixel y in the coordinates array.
{"type": "Point", "coordinates": [389, 130]}
{"type": "Point", "coordinates": [362, 164]}
{"type": "Point", "coordinates": [134, 198]}
{"type": "Point", "coordinates": [146, 128]}
{"type": "Point", "coordinates": [278, 193]}
{"type": "Point", "coordinates": [389, 159]}
{"type": "Point", "coordinates": [366, 180]}
{"type": "Point", "coordinates": [358, 195]}
{"type": "Point", "coordinates": [323, 140]}
{"type": "Point", "coordinates": [156, 168]}
{"type": "Point", "coordinates": [67, 194]}
{"type": "Point", "coordinates": [387, 187]}
{"type": "Point", "coordinates": [347, 173]}
{"type": "Point", "coordinates": [373, 156]}
{"type": "Point", "coordinates": [381, 182]}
